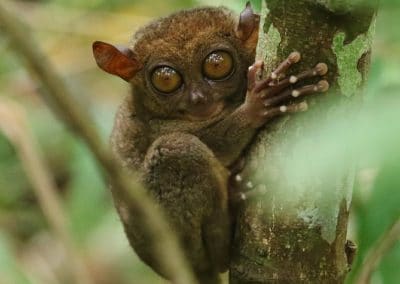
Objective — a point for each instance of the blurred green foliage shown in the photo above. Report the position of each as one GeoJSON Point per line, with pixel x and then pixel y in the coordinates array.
{"type": "Point", "coordinates": [66, 29]}
{"type": "Point", "coordinates": [9, 269]}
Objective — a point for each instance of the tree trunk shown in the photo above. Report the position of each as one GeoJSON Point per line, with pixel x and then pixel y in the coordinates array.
{"type": "Point", "coordinates": [294, 229]}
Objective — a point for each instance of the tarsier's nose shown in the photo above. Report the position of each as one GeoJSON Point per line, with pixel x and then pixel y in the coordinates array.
{"type": "Point", "coordinates": [197, 97]}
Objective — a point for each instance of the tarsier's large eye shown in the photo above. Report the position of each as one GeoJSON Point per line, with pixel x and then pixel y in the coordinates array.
{"type": "Point", "coordinates": [218, 65]}
{"type": "Point", "coordinates": [166, 79]}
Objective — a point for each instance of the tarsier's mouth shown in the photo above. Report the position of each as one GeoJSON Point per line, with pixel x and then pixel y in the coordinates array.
{"type": "Point", "coordinates": [202, 112]}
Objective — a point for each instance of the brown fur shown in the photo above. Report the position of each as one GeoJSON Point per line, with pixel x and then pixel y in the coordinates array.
{"type": "Point", "coordinates": [184, 160]}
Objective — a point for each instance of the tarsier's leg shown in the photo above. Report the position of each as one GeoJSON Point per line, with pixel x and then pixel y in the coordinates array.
{"type": "Point", "coordinates": [190, 184]}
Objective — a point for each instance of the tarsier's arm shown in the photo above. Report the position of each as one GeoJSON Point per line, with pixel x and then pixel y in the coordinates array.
{"type": "Point", "coordinates": [265, 99]}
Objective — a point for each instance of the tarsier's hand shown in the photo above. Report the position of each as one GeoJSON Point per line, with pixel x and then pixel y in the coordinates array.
{"type": "Point", "coordinates": [269, 97]}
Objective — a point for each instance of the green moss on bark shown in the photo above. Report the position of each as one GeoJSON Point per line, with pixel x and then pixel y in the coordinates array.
{"type": "Point", "coordinates": [269, 41]}
{"type": "Point", "coordinates": [347, 57]}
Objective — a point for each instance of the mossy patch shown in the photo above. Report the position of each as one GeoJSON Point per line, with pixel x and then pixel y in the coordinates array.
{"type": "Point", "coordinates": [347, 56]}
{"type": "Point", "coordinates": [269, 41]}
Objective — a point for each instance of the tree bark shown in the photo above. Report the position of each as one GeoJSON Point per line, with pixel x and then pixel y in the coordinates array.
{"type": "Point", "coordinates": [294, 230]}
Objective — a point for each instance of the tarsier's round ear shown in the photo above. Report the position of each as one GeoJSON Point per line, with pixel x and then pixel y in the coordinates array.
{"type": "Point", "coordinates": [117, 61]}
{"type": "Point", "coordinates": [247, 29]}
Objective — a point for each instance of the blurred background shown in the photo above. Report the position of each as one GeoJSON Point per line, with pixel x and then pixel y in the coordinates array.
{"type": "Point", "coordinates": [30, 252]}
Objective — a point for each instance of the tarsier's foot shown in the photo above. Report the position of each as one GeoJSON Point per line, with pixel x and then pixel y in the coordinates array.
{"type": "Point", "coordinates": [240, 188]}
{"type": "Point", "coordinates": [270, 97]}
{"type": "Point", "coordinates": [235, 179]}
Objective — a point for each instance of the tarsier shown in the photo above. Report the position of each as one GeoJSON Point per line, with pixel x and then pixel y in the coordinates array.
{"type": "Point", "coordinates": [196, 103]}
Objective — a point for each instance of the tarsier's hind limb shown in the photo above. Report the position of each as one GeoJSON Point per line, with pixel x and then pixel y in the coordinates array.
{"type": "Point", "coordinates": [190, 184]}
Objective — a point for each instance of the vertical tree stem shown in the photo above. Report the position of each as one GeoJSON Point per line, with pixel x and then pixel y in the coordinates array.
{"type": "Point", "coordinates": [296, 231]}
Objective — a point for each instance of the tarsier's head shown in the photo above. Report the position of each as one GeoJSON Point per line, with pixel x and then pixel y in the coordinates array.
{"type": "Point", "coordinates": [189, 65]}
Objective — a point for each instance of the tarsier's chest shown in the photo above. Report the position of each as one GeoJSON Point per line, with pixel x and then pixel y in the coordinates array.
{"type": "Point", "coordinates": [160, 127]}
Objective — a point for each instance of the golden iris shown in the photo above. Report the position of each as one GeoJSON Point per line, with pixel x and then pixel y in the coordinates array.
{"type": "Point", "coordinates": [166, 79]}
{"type": "Point", "coordinates": [218, 65]}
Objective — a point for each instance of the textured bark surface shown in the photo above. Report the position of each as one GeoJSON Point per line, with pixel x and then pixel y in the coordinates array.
{"type": "Point", "coordinates": [296, 231]}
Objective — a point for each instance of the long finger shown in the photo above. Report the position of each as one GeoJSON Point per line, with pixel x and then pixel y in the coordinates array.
{"type": "Point", "coordinates": [321, 86]}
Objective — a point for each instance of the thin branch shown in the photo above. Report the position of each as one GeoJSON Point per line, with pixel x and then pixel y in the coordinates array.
{"type": "Point", "coordinates": [13, 123]}
{"type": "Point", "coordinates": [375, 254]}
{"type": "Point", "coordinates": [164, 241]}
